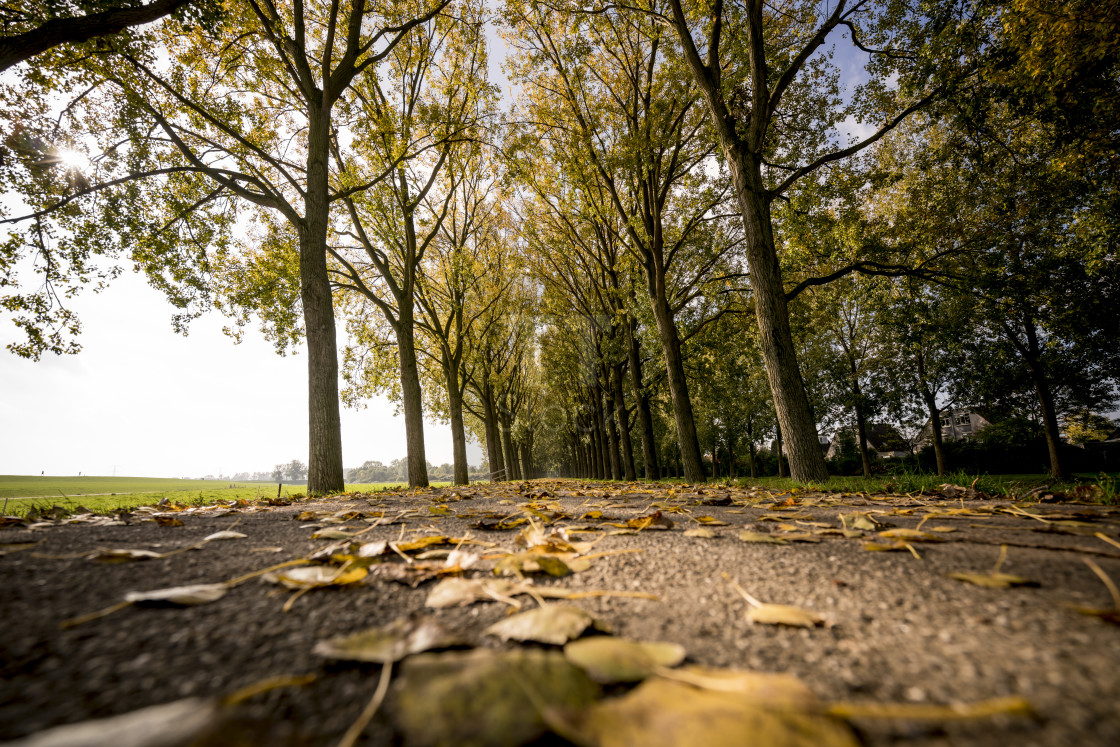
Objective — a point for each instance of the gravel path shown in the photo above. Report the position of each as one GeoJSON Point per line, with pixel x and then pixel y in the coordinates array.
{"type": "Point", "coordinates": [897, 628]}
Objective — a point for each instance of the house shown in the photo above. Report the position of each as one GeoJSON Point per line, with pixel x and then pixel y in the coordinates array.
{"type": "Point", "coordinates": [883, 439]}
{"type": "Point", "coordinates": [956, 424]}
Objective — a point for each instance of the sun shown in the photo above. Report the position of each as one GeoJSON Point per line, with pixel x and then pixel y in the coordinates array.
{"type": "Point", "coordinates": [72, 160]}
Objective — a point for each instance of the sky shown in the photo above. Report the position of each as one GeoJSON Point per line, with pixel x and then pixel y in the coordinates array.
{"type": "Point", "coordinates": [141, 400]}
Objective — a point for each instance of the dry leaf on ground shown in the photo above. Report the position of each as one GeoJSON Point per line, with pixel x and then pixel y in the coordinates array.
{"type": "Point", "coordinates": [607, 659]}
{"type": "Point", "coordinates": [315, 576]}
{"type": "Point", "coordinates": [784, 614]}
{"type": "Point", "coordinates": [122, 556]}
{"type": "Point", "coordinates": [185, 596]}
{"type": "Point", "coordinates": [460, 592]}
{"type": "Point", "coordinates": [178, 722]}
{"type": "Point", "coordinates": [225, 534]}
{"type": "Point", "coordinates": [759, 537]}
{"type": "Point", "coordinates": [554, 623]}
{"type": "Point", "coordinates": [389, 643]}
{"type": "Point", "coordinates": [663, 713]}
{"type": "Point", "coordinates": [486, 697]}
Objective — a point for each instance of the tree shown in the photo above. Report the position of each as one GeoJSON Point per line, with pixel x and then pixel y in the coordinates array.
{"type": "Point", "coordinates": [1084, 426]}
{"type": "Point", "coordinates": [625, 118]}
{"type": "Point", "coordinates": [186, 144]}
{"type": "Point", "coordinates": [459, 283]}
{"type": "Point", "coordinates": [49, 23]}
{"type": "Point", "coordinates": [773, 100]}
{"type": "Point", "coordinates": [1036, 270]}
{"type": "Point", "coordinates": [295, 470]}
{"type": "Point", "coordinates": [436, 99]}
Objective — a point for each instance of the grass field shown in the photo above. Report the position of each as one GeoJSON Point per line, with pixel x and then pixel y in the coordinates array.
{"type": "Point", "coordinates": [20, 493]}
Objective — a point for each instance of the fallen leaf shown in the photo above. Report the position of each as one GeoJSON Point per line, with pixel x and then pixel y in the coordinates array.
{"type": "Point", "coordinates": [122, 556]}
{"type": "Point", "coordinates": [389, 643]}
{"type": "Point", "coordinates": [315, 576]}
{"type": "Point", "coordinates": [333, 534]}
{"type": "Point", "coordinates": [993, 580]}
{"type": "Point", "coordinates": [168, 521]}
{"type": "Point", "coordinates": [225, 534]}
{"type": "Point", "coordinates": [460, 592]}
{"type": "Point", "coordinates": [664, 713]}
{"type": "Point", "coordinates": [608, 660]}
{"type": "Point", "coordinates": [769, 539]}
{"type": "Point", "coordinates": [185, 721]}
{"type": "Point", "coordinates": [765, 689]}
{"type": "Point", "coordinates": [784, 614]}
{"type": "Point", "coordinates": [554, 623]}
{"type": "Point", "coordinates": [184, 596]}
{"type": "Point", "coordinates": [896, 546]}
{"type": "Point", "coordinates": [701, 532]}
{"type": "Point", "coordinates": [486, 697]}
{"type": "Point", "coordinates": [911, 535]}
{"type": "Point", "coordinates": [711, 521]}
{"type": "Point", "coordinates": [1009, 706]}
{"type": "Point", "coordinates": [654, 520]}
{"type": "Point", "coordinates": [373, 549]}
{"type": "Point", "coordinates": [422, 542]}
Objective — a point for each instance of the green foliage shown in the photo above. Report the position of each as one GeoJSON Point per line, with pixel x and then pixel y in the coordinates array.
{"type": "Point", "coordinates": [1084, 426]}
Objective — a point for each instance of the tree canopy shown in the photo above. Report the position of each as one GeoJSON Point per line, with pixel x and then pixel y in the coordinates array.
{"type": "Point", "coordinates": [698, 238]}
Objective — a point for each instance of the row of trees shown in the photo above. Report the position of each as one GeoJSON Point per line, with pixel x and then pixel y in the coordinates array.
{"type": "Point", "coordinates": [670, 247]}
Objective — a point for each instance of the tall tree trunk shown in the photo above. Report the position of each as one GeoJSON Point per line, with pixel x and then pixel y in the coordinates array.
{"type": "Point", "coordinates": [324, 425]}
{"type": "Point", "coordinates": [930, 399]}
{"type": "Point", "coordinates": [507, 444]}
{"type": "Point", "coordinates": [601, 430]}
{"type": "Point", "coordinates": [861, 418]}
{"type": "Point", "coordinates": [623, 426]}
{"type": "Point", "coordinates": [596, 448]}
{"type": "Point", "coordinates": [458, 429]}
{"type": "Point", "coordinates": [678, 385]}
{"type": "Point", "coordinates": [493, 440]}
{"type": "Point", "coordinates": [411, 396]}
{"type": "Point", "coordinates": [781, 464]}
{"type": "Point", "coordinates": [612, 432]}
{"type": "Point", "coordinates": [806, 462]}
{"type": "Point", "coordinates": [743, 154]}
{"type": "Point", "coordinates": [1046, 400]}
{"type": "Point", "coordinates": [750, 446]}
{"type": "Point", "coordinates": [527, 460]}
{"type": "Point", "coordinates": [641, 402]}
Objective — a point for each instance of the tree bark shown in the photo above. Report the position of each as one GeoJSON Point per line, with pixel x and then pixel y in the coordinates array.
{"type": "Point", "coordinates": [623, 428]}
{"type": "Point", "coordinates": [527, 470]}
{"type": "Point", "coordinates": [458, 429]}
{"type": "Point", "coordinates": [601, 431]}
{"type": "Point", "coordinates": [750, 446]}
{"type": "Point", "coordinates": [612, 433]}
{"type": "Point", "coordinates": [596, 451]}
{"type": "Point", "coordinates": [507, 445]}
{"type": "Point", "coordinates": [678, 385]}
{"type": "Point", "coordinates": [493, 440]}
{"type": "Point", "coordinates": [411, 395]}
{"type": "Point", "coordinates": [324, 425]}
{"type": "Point", "coordinates": [19, 47]}
{"type": "Point", "coordinates": [1046, 400]}
{"type": "Point", "coordinates": [930, 399]}
{"type": "Point", "coordinates": [743, 154]}
{"type": "Point", "coordinates": [781, 464]}
{"type": "Point", "coordinates": [806, 463]}
{"type": "Point", "coordinates": [641, 401]}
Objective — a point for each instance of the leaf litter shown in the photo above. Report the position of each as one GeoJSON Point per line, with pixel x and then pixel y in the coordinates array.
{"type": "Point", "coordinates": [685, 692]}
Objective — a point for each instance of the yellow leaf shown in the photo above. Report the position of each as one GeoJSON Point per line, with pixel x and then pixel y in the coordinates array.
{"type": "Point", "coordinates": [784, 614]}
